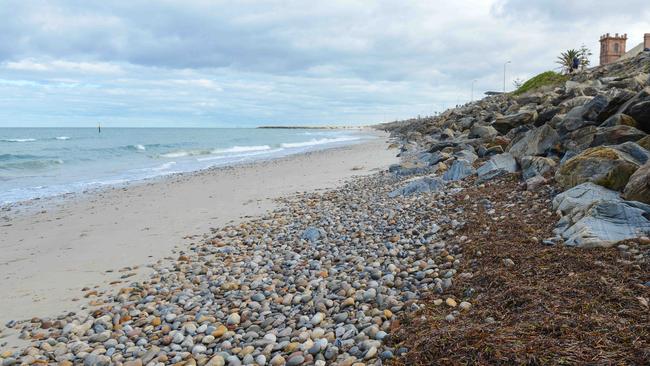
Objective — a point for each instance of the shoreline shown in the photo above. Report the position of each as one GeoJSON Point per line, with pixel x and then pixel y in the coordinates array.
{"type": "Point", "coordinates": [53, 248]}
{"type": "Point", "coordinates": [369, 133]}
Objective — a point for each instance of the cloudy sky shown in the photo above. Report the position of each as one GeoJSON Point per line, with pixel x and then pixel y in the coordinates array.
{"type": "Point", "coordinates": [243, 63]}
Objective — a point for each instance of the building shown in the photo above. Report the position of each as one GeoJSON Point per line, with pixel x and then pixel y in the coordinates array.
{"type": "Point", "coordinates": [612, 48]}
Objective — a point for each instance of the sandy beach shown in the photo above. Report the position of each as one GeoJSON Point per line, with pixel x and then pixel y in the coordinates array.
{"type": "Point", "coordinates": [53, 250]}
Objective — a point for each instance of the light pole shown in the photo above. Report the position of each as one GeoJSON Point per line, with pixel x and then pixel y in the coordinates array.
{"type": "Point", "coordinates": [504, 76]}
{"type": "Point", "coordinates": [472, 98]}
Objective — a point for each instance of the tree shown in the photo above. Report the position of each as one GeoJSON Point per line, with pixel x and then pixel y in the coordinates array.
{"type": "Point", "coordinates": [518, 83]}
{"type": "Point", "coordinates": [565, 59]}
{"type": "Point", "coordinates": [584, 57]}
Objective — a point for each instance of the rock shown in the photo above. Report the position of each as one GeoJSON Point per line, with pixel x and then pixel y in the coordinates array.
{"type": "Point", "coordinates": [498, 163]}
{"type": "Point", "coordinates": [616, 98]}
{"type": "Point", "coordinates": [451, 302]}
{"type": "Point", "coordinates": [538, 141]}
{"type": "Point", "coordinates": [638, 187]}
{"type": "Point", "coordinates": [605, 223]}
{"type": "Point", "coordinates": [606, 166]}
{"type": "Point", "coordinates": [582, 196]}
{"type": "Point", "coordinates": [467, 155]}
{"type": "Point", "coordinates": [465, 306]}
{"type": "Point", "coordinates": [613, 135]}
{"type": "Point", "coordinates": [233, 319]}
{"type": "Point", "coordinates": [536, 165]}
{"type": "Point", "coordinates": [311, 234]}
{"type": "Point", "coordinates": [483, 132]}
{"type": "Point", "coordinates": [619, 119]}
{"type": "Point", "coordinates": [573, 120]}
{"type": "Point", "coordinates": [277, 360]}
{"type": "Point", "coordinates": [216, 360]}
{"type": "Point", "coordinates": [592, 109]}
{"type": "Point", "coordinates": [596, 216]}
{"type": "Point", "coordinates": [296, 359]}
{"type": "Point", "coordinates": [419, 185]}
{"type": "Point", "coordinates": [459, 169]}
{"type": "Point", "coordinates": [507, 123]}
{"type": "Point", "coordinates": [639, 109]}
{"type": "Point", "coordinates": [644, 142]}
{"type": "Point", "coordinates": [534, 183]}
{"type": "Point", "coordinates": [401, 170]}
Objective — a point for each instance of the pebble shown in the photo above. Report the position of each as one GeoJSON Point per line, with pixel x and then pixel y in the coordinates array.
{"type": "Point", "coordinates": [318, 282]}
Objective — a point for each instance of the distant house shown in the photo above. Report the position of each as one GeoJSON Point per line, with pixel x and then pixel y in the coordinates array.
{"type": "Point", "coordinates": [612, 47]}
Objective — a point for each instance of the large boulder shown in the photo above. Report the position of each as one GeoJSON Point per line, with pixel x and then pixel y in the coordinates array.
{"type": "Point", "coordinates": [606, 223]}
{"type": "Point", "coordinates": [483, 132]}
{"type": "Point", "coordinates": [639, 109]}
{"type": "Point", "coordinates": [644, 142]}
{"type": "Point", "coordinates": [419, 185]}
{"type": "Point", "coordinates": [615, 99]}
{"type": "Point", "coordinates": [619, 119]}
{"type": "Point", "coordinates": [506, 123]}
{"type": "Point", "coordinates": [574, 120]}
{"type": "Point", "coordinates": [582, 197]}
{"type": "Point", "coordinates": [594, 216]}
{"type": "Point", "coordinates": [466, 154]}
{"type": "Point", "coordinates": [538, 141]}
{"type": "Point", "coordinates": [536, 165]}
{"type": "Point", "coordinates": [607, 166]}
{"type": "Point", "coordinates": [616, 135]}
{"type": "Point", "coordinates": [406, 169]}
{"type": "Point", "coordinates": [459, 170]}
{"type": "Point", "coordinates": [638, 187]}
{"type": "Point", "coordinates": [498, 164]}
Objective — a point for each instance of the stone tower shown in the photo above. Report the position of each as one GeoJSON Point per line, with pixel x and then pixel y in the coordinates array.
{"type": "Point", "coordinates": [646, 41]}
{"type": "Point", "coordinates": [611, 47]}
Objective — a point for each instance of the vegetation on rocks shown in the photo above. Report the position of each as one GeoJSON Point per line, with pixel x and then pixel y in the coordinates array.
{"type": "Point", "coordinates": [548, 78]}
{"type": "Point", "coordinates": [555, 233]}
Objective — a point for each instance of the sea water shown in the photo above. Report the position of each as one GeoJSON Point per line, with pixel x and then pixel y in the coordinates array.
{"type": "Point", "coordinates": [44, 162]}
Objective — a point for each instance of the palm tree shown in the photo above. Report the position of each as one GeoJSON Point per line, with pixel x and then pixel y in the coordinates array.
{"type": "Point", "coordinates": [565, 59]}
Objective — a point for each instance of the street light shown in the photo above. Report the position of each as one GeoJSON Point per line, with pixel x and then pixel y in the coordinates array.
{"type": "Point", "coordinates": [504, 76]}
{"type": "Point", "coordinates": [472, 99]}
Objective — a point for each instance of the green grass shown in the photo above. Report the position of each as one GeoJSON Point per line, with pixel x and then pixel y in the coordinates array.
{"type": "Point", "coordinates": [548, 78]}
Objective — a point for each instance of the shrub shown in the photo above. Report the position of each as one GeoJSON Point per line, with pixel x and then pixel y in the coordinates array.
{"type": "Point", "coordinates": [548, 78]}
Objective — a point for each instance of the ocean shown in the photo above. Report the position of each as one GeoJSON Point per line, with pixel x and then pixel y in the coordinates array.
{"type": "Point", "coordinates": [45, 162]}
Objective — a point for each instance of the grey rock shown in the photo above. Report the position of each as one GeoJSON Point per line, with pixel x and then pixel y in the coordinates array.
{"type": "Point", "coordinates": [538, 141]}
{"type": "Point", "coordinates": [311, 234]}
{"type": "Point", "coordinates": [536, 165]}
{"type": "Point", "coordinates": [419, 185]}
{"type": "Point", "coordinates": [503, 162]}
{"type": "Point", "coordinates": [582, 196]}
{"type": "Point", "coordinates": [507, 123]}
{"type": "Point", "coordinates": [606, 223]}
{"type": "Point", "coordinates": [459, 169]}
{"type": "Point", "coordinates": [483, 132]}
{"type": "Point", "coordinates": [638, 187]}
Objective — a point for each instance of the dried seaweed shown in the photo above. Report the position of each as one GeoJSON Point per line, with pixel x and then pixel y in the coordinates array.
{"type": "Point", "coordinates": [556, 305]}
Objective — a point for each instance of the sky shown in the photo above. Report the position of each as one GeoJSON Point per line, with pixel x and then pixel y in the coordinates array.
{"type": "Point", "coordinates": [200, 63]}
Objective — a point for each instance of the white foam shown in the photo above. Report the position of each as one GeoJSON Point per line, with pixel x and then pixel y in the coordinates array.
{"type": "Point", "coordinates": [18, 140]}
{"type": "Point", "coordinates": [176, 154]}
{"type": "Point", "coordinates": [243, 155]}
{"type": "Point", "coordinates": [314, 142]}
{"type": "Point", "coordinates": [164, 166]}
{"type": "Point", "coordinates": [236, 149]}
{"type": "Point", "coordinates": [140, 147]}
{"type": "Point", "coordinates": [62, 138]}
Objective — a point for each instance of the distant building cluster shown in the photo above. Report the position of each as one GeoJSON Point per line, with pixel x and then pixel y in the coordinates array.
{"type": "Point", "coordinates": [612, 47]}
